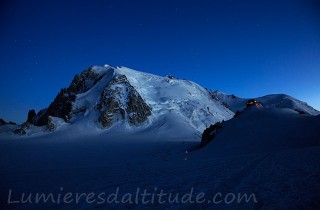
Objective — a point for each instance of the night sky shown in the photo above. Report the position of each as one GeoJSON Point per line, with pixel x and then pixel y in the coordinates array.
{"type": "Point", "coordinates": [246, 48]}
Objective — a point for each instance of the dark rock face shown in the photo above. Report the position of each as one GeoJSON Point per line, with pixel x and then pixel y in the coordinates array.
{"type": "Point", "coordinates": [53, 123]}
{"type": "Point", "coordinates": [237, 113]}
{"type": "Point", "coordinates": [31, 116]}
{"type": "Point", "coordinates": [300, 111]}
{"type": "Point", "coordinates": [41, 118]}
{"type": "Point", "coordinates": [60, 107]}
{"type": "Point", "coordinates": [62, 104]}
{"type": "Point", "coordinates": [50, 125]}
{"type": "Point", "coordinates": [136, 107]}
{"type": "Point", "coordinates": [22, 129]}
{"type": "Point", "coordinates": [2, 122]}
{"type": "Point", "coordinates": [120, 99]}
{"type": "Point", "coordinates": [209, 133]}
{"type": "Point", "coordinates": [83, 82]}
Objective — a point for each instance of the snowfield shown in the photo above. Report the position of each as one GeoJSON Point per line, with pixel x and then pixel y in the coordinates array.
{"type": "Point", "coordinates": [270, 152]}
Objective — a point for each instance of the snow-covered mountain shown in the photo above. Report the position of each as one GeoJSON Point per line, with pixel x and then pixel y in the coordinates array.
{"type": "Point", "coordinates": [270, 101]}
{"type": "Point", "coordinates": [270, 151]}
{"type": "Point", "coordinates": [115, 99]}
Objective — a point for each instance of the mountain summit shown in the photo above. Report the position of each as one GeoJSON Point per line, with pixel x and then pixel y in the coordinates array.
{"type": "Point", "coordinates": [119, 98]}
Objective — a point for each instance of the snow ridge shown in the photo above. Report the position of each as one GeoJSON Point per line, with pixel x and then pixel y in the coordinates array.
{"type": "Point", "coordinates": [269, 101]}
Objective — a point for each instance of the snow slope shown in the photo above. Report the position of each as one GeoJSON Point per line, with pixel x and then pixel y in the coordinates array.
{"type": "Point", "coordinates": [180, 108]}
{"type": "Point", "coordinates": [274, 100]}
{"type": "Point", "coordinates": [260, 130]}
{"type": "Point", "coordinates": [270, 152]}
{"type": "Point", "coordinates": [280, 150]}
{"type": "Point", "coordinates": [174, 98]}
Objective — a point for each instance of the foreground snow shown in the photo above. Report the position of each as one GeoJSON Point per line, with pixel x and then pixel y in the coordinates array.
{"type": "Point", "coordinates": [272, 153]}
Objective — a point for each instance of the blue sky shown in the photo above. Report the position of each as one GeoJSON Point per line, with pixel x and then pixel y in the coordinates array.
{"type": "Point", "coordinates": [246, 48]}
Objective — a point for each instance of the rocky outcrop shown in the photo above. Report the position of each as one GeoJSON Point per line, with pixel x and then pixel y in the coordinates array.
{"type": "Point", "coordinates": [21, 130]}
{"type": "Point", "coordinates": [3, 122]}
{"type": "Point", "coordinates": [62, 105]}
{"type": "Point", "coordinates": [209, 133]}
{"type": "Point", "coordinates": [120, 101]}
{"type": "Point", "coordinates": [54, 122]}
{"type": "Point", "coordinates": [83, 82]}
{"type": "Point", "coordinates": [42, 117]}
{"type": "Point", "coordinates": [137, 109]}
{"type": "Point", "coordinates": [31, 116]}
